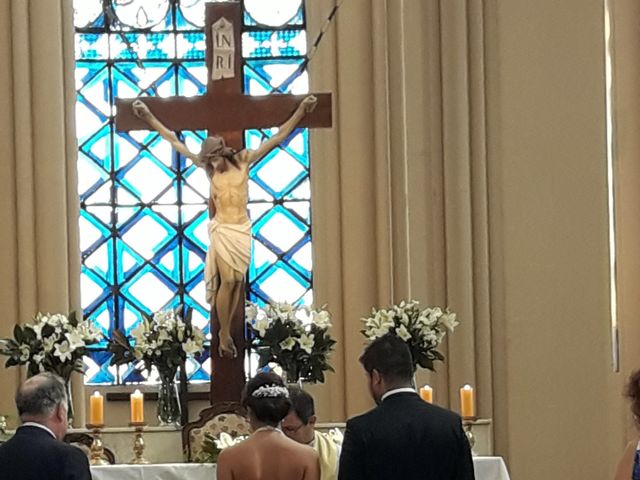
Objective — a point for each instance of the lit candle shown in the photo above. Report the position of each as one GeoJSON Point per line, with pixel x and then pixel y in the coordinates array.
{"type": "Point", "coordinates": [137, 407]}
{"type": "Point", "coordinates": [96, 409]}
{"type": "Point", "coordinates": [426, 393]}
{"type": "Point", "coordinates": [467, 407]}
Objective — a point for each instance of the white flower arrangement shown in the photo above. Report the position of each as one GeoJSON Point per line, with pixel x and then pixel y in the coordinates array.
{"type": "Point", "coordinates": [163, 340]}
{"type": "Point", "coordinates": [212, 446]}
{"type": "Point", "coordinates": [51, 343]}
{"type": "Point", "coordinates": [294, 337]}
{"type": "Point", "coordinates": [423, 329]}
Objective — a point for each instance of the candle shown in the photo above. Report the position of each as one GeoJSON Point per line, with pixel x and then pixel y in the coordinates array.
{"type": "Point", "coordinates": [137, 407]}
{"type": "Point", "coordinates": [426, 393]}
{"type": "Point", "coordinates": [96, 409]}
{"type": "Point", "coordinates": [467, 407]}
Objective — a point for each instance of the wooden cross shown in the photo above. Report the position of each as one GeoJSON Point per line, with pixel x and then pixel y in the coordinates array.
{"type": "Point", "coordinates": [226, 111]}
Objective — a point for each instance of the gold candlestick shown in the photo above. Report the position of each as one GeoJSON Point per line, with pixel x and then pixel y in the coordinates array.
{"type": "Point", "coordinates": [97, 448]}
{"type": "Point", "coordinates": [467, 426]}
{"type": "Point", "coordinates": [138, 444]}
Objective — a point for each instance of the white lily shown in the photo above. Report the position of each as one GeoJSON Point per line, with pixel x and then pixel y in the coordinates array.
{"type": "Point", "coordinates": [306, 342]}
{"type": "Point", "coordinates": [75, 340]}
{"type": "Point", "coordinates": [449, 321]}
{"type": "Point", "coordinates": [261, 326]}
{"type": "Point", "coordinates": [63, 351]}
{"type": "Point", "coordinates": [403, 333]}
{"type": "Point", "coordinates": [191, 347]}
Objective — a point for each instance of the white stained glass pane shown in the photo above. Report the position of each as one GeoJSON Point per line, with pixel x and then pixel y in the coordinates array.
{"type": "Point", "coordinates": [151, 292]}
{"type": "Point", "coordinates": [141, 13]}
{"type": "Point", "coordinates": [303, 257]}
{"type": "Point", "coordinates": [280, 171]}
{"type": "Point", "coordinates": [193, 11]}
{"type": "Point", "coordinates": [281, 287]}
{"type": "Point", "coordinates": [89, 233]}
{"type": "Point", "coordinates": [85, 12]}
{"type": "Point", "coordinates": [262, 256]}
{"type": "Point", "coordinates": [87, 122]}
{"type": "Point", "coordinates": [274, 12]}
{"type": "Point", "coordinates": [198, 293]}
{"type": "Point", "coordinates": [281, 231]}
{"type": "Point", "coordinates": [88, 173]}
{"type": "Point", "coordinates": [145, 237]}
{"type": "Point", "coordinates": [148, 179]}
{"type": "Point", "coordinates": [89, 290]}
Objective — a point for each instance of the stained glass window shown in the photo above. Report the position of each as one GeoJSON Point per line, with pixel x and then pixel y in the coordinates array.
{"type": "Point", "coordinates": [144, 215]}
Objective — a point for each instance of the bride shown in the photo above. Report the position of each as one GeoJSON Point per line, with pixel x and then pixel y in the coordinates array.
{"type": "Point", "coordinates": [267, 454]}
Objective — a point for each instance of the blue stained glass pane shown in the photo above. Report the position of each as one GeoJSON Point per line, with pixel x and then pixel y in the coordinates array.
{"type": "Point", "coordinates": [97, 368]}
{"type": "Point", "coordinates": [192, 79]}
{"type": "Point", "coordinates": [190, 46]}
{"type": "Point", "coordinates": [130, 80]}
{"type": "Point", "coordinates": [91, 46]}
{"type": "Point", "coordinates": [283, 75]}
{"type": "Point", "coordinates": [147, 46]}
{"type": "Point", "coordinates": [267, 44]}
{"type": "Point", "coordinates": [143, 225]}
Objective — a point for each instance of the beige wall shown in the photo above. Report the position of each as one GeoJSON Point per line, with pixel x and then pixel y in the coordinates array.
{"type": "Point", "coordinates": [542, 358]}
{"type": "Point", "coordinates": [548, 194]}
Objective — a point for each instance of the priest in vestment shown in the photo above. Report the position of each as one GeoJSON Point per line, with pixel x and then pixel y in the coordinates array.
{"type": "Point", "coordinates": [299, 425]}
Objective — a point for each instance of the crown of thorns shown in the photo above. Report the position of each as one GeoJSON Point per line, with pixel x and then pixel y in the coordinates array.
{"type": "Point", "coordinates": [271, 391]}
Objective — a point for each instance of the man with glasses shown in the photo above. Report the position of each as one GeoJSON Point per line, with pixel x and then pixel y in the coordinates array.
{"type": "Point", "coordinates": [36, 452]}
{"type": "Point", "coordinates": [299, 425]}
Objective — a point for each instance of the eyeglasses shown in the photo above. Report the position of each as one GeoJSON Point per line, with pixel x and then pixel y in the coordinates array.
{"type": "Point", "coordinates": [292, 430]}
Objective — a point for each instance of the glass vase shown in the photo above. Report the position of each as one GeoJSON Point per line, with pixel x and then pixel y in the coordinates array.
{"type": "Point", "coordinates": [169, 411]}
{"type": "Point", "coordinates": [70, 409]}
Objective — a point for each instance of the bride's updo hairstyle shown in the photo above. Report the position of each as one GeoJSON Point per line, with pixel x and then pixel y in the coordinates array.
{"type": "Point", "coordinates": [267, 397]}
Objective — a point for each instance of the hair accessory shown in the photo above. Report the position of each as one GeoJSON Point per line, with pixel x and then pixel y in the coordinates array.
{"type": "Point", "coordinates": [271, 391]}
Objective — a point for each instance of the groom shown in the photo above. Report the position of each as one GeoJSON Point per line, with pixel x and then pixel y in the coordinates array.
{"type": "Point", "coordinates": [404, 437]}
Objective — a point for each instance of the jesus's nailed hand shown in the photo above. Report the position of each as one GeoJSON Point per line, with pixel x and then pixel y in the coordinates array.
{"type": "Point", "coordinates": [309, 103]}
{"type": "Point", "coordinates": [140, 110]}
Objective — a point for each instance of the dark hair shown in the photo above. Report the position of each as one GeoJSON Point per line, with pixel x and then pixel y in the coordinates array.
{"type": "Point", "coordinates": [391, 357]}
{"type": "Point", "coordinates": [632, 392]}
{"type": "Point", "coordinates": [302, 404]}
{"type": "Point", "coordinates": [40, 395]}
{"type": "Point", "coordinates": [268, 409]}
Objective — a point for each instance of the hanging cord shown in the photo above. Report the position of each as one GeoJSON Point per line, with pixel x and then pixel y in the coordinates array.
{"type": "Point", "coordinates": [312, 51]}
{"type": "Point", "coordinates": [114, 21]}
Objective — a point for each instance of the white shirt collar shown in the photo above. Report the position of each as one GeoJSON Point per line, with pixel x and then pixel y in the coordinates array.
{"type": "Point", "coordinates": [396, 390]}
{"type": "Point", "coordinates": [39, 425]}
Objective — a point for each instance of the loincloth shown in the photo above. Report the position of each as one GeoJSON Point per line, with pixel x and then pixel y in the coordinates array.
{"type": "Point", "coordinates": [230, 242]}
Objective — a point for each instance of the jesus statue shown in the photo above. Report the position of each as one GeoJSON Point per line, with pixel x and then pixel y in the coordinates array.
{"type": "Point", "coordinates": [229, 250]}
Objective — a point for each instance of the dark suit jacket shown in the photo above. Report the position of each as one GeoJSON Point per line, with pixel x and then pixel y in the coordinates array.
{"type": "Point", "coordinates": [33, 454]}
{"type": "Point", "coordinates": [405, 438]}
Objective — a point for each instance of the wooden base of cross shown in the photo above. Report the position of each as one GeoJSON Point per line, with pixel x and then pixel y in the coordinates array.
{"type": "Point", "coordinates": [231, 370]}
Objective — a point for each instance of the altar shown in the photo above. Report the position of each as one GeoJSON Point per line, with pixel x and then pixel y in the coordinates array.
{"type": "Point", "coordinates": [486, 468]}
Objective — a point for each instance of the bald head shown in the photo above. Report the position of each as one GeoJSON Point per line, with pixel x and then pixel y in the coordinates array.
{"type": "Point", "coordinates": [39, 396]}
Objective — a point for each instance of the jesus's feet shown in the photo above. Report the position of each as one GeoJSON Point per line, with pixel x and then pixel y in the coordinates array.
{"type": "Point", "coordinates": [226, 347]}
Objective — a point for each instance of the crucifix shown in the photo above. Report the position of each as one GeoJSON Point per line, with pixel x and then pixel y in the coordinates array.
{"type": "Point", "coordinates": [225, 110]}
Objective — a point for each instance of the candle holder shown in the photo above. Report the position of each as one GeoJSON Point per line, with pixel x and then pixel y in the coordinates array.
{"type": "Point", "coordinates": [97, 448]}
{"type": "Point", "coordinates": [138, 444]}
{"type": "Point", "coordinates": [467, 426]}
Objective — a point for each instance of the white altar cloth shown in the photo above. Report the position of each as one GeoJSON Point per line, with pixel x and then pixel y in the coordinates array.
{"type": "Point", "coordinates": [490, 468]}
{"type": "Point", "coordinates": [162, 471]}
{"type": "Point", "coordinates": [486, 468]}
